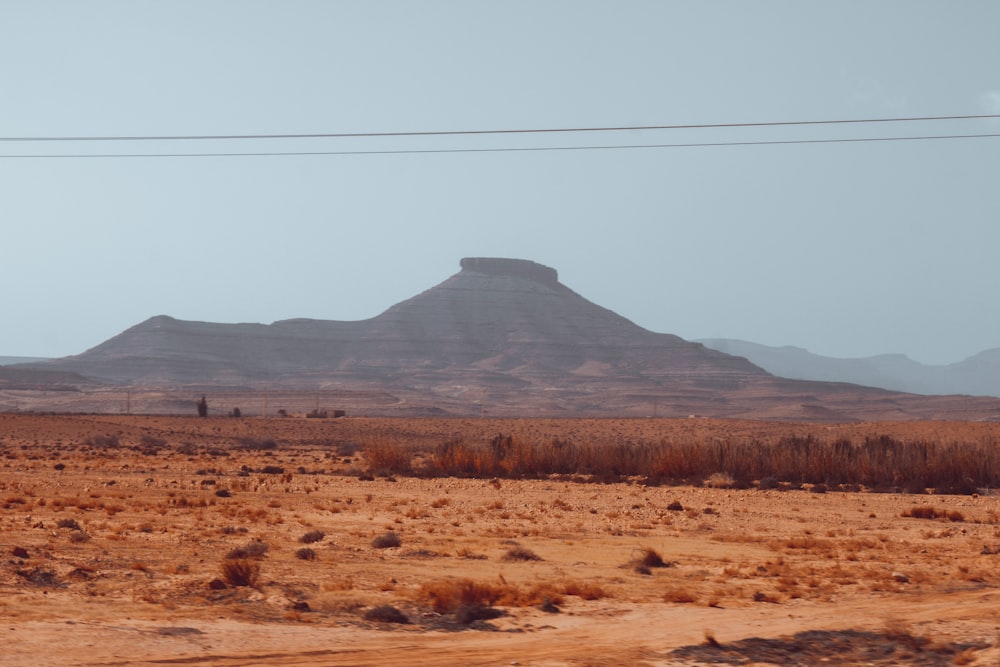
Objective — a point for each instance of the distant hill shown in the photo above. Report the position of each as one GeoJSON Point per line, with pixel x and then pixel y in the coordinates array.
{"type": "Point", "coordinates": [978, 375]}
{"type": "Point", "coordinates": [8, 361]}
{"type": "Point", "coordinates": [500, 337]}
{"type": "Point", "coordinates": [499, 318]}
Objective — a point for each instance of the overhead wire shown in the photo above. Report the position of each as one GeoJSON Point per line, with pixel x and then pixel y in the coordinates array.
{"type": "Point", "coordinates": [438, 133]}
{"type": "Point", "coordinates": [523, 149]}
{"type": "Point", "coordinates": [508, 149]}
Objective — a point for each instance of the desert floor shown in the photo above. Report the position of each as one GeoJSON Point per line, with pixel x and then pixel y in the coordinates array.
{"type": "Point", "coordinates": [118, 534]}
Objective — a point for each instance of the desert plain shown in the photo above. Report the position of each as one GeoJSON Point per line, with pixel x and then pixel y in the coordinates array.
{"type": "Point", "coordinates": [157, 540]}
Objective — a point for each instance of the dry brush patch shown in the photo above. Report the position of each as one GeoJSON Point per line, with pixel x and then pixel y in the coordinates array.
{"type": "Point", "coordinates": [306, 535]}
{"type": "Point", "coordinates": [873, 462]}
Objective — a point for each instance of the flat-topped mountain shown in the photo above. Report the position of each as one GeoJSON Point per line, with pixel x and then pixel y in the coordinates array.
{"type": "Point", "coordinates": [496, 316]}
{"type": "Point", "coordinates": [501, 336]}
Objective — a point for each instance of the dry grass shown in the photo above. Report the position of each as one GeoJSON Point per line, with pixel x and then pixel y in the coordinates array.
{"type": "Point", "coordinates": [928, 512]}
{"type": "Point", "coordinates": [154, 524]}
{"type": "Point", "coordinates": [679, 596]}
{"type": "Point", "coordinates": [875, 462]}
{"type": "Point", "coordinates": [448, 595]}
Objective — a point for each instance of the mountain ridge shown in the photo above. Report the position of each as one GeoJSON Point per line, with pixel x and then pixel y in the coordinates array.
{"type": "Point", "coordinates": [978, 375]}
{"type": "Point", "coordinates": [501, 336]}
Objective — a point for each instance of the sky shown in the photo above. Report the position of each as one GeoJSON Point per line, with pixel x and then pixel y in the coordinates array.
{"type": "Point", "coordinates": [846, 248]}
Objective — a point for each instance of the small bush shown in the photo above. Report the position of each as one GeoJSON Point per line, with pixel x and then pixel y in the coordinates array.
{"type": "Point", "coordinates": [448, 596]}
{"type": "Point", "coordinates": [928, 512]}
{"type": "Point", "coordinates": [383, 455]}
{"type": "Point", "coordinates": [584, 591]}
{"type": "Point", "coordinates": [768, 483]}
{"type": "Point", "coordinates": [675, 506]}
{"type": "Point", "coordinates": [924, 512]}
{"type": "Point", "coordinates": [255, 549]}
{"type": "Point", "coordinates": [312, 536]}
{"type": "Point", "coordinates": [104, 441]}
{"type": "Point", "coordinates": [720, 480]}
{"type": "Point", "coordinates": [521, 553]}
{"type": "Point", "coordinates": [386, 614]}
{"type": "Point", "coordinates": [679, 596]}
{"type": "Point", "coordinates": [256, 444]}
{"type": "Point", "coordinates": [471, 613]}
{"type": "Point", "coordinates": [240, 572]}
{"type": "Point", "coordinates": [651, 558]}
{"type": "Point", "coordinates": [387, 541]}
{"type": "Point", "coordinates": [305, 553]}
{"type": "Point", "coordinates": [68, 523]}
{"type": "Point", "coordinates": [273, 470]}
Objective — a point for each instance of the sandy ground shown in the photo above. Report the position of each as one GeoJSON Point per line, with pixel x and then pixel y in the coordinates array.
{"type": "Point", "coordinates": [115, 532]}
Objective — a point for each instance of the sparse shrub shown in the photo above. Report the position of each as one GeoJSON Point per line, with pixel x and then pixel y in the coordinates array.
{"type": "Point", "coordinates": [79, 537]}
{"type": "Point", "coordinates": [720, 480]}
{"type": "Point", "coordinates": [240, 571]}
{"type": "Point", "coordinates": [223, 493]}
{"type": "Point", "coordinates": [72, 524]}
{"type": "Point", "coordinates": [386, 614]}
{"type": "Point", "coordinates": [312, 536]}
{"type": "Point", "coordinates": [649, 557]}
{"type": "Point", "coordinates": [675, 506]}
{"type": "Point", "coordinates": [40, 577]}
{"type": "Point", "coordinates": [387, 541]}
{"type": "Point", "coordinates": [256, 444]}
{"type": "Point", "coordinates": [470, 613]}
{"type": "Point", "coordinates": [768, 483]}
{"type": "Point", "coordinates": [549, 607]}
{"type": "Point", "coordinates": [584, 590]}
{"type": "Point", "coordinates": [385, 456]}
{"type": "Point", "coordinates": [151, 442]}
{"type": "Point", "coordinates": [447, 596]}
{"type": "Point", "coordinates": [255, 549]}
{"type": "Point", "coordinates": [104, 441]}
{"type": "Point", "coordinates": [679, 596]}
{"type": "Point", "coordinates": [272, 470]}
{"type": "Point", "coordinates": [521, 553]}
{"type": "Point", "coordinates": [305, 553]}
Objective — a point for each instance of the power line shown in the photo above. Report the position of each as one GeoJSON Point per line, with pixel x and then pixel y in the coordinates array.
{"type": "Point", "coordinates": [777, 142]}
{"type": "Point", "coordinates": [442, 133]}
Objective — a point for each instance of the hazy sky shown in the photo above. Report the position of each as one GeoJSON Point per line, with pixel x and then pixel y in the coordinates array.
{"type": "Point", "coordinates": [847, 249]}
